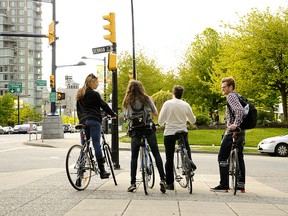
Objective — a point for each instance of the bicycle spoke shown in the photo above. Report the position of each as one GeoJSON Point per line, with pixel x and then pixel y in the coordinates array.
{"type": "Point", "coordinates": [78, 167]}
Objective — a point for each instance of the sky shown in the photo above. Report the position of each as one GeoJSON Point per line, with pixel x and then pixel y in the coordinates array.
{"type": "Point", "coordinates": [163, 29]}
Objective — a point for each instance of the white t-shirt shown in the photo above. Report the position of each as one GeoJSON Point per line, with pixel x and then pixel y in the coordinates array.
{"type": "Point", "coordinates": [174, 115]}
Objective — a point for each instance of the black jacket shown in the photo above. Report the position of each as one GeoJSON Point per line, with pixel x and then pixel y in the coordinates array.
{"type": "Point", "coordinates": [88, 107]}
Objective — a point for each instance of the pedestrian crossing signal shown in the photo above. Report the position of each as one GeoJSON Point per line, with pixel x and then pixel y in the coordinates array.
{"type": "Point", "coordinates": [60, 96]}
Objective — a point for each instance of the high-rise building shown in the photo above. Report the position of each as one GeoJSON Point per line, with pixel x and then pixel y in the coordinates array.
{"type": "Point", "coordinates": [21, 57]}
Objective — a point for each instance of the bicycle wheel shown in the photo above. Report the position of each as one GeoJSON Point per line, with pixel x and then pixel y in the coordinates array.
{"type": "Point", "coordinates": [237, 170]}
{"type": "Point", "coordinates": [179, 169]}
{"type": "Point", "coordinates": [110, 165]}
{"type": "Point", "coordinates": [188, 171]}
{"type": "Point", "coordinates": [78, 167]}
{"type": "Point", "coordinates": [232, 170]}
{"type": "Point", "coordinates": [144, 170]}
{"type": "Point", "coordinates": [150, 172]}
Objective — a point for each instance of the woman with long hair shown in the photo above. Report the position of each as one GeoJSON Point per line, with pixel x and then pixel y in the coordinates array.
{"type": "Point", "coordinates": [89, 105]}
{"type": "Point", "coordinates": [136, 97]}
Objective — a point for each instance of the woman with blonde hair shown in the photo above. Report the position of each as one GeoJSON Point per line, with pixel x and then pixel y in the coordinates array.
{"type": "Point", "coordinates": [136, 98]}
{"type": "Point", "coordinates": [89, 105]}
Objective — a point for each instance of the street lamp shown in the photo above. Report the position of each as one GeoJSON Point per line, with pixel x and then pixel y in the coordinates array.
{"type": "Point", "coordinates": [80, 63]}
{"type": "Point", "coordinates": [133, 42]}
{"type": "Point", "coordinates": [104, 70]}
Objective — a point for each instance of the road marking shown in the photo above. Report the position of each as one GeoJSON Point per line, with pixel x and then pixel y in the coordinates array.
{"type": "Point", "coordinates": [13, 149]}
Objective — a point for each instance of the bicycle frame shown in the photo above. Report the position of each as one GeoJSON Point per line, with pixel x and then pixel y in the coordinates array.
{"type": "Point", "coordinates": [182, 166]}
{"type": "Point", "coordinates": [146, 165]}
{"type": "Point", "coordinates": [80, 161]}
{"type": "Point", "coordinates": [234, 168]}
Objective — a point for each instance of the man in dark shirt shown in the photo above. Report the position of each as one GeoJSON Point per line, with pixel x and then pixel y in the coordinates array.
{"type": "Point", "coordinates": [234, 117]}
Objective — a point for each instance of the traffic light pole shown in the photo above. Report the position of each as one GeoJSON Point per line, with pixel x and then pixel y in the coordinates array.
{"type": "Point", "coordinates": [115, 129]}
{"type": "Point", "coordinates": [112, 66]}
{"type": "Point", "coordinates": [53, 66]}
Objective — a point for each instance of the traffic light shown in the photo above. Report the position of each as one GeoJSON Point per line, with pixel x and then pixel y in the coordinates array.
{"type": "Point", "coordinates": [52, 81]}
{"type": "Point", "coordinates": [112, 64]}
{"type": "Point", "coordinates": [60, 95]}
{"type": "Point", "coordinates": [110, 27]}
{"type": "Point", "coordinates": [51, 33]}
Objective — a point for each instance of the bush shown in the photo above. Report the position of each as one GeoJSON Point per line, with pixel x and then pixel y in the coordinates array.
{"type": "Point", "coordinates": [202, 120]}
{"type": "Point", "coordinates": [264, 117]}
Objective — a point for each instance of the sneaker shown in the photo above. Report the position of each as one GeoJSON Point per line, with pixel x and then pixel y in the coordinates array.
{"type": "Point", "coordinates": [219, 188]}
{"type": "Point", "coordinates": [241, 187]}
{"type": "Point", "coordinates": [132, 188]}
{"type": "Point", "coordinates": [170, 186]}
{"type": "Point", "coordinates": [163, 186]}
{"type": "Point", "coordinates": [78, 182]}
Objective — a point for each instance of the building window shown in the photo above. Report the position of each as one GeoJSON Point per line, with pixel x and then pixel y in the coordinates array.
{"type": "Point", "coordinates": [12, 4]}
{"type": "Point", "coordinates": [20, 12]}
{"type": "Point", "coordinates": [20, 4]}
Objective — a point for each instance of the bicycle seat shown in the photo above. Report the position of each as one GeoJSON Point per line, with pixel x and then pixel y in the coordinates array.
{"type": "Point", "coordinates": [80, 126]}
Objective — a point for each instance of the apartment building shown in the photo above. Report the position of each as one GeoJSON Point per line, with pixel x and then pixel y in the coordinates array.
{"type": "Point", "coordinates": [21, 57]}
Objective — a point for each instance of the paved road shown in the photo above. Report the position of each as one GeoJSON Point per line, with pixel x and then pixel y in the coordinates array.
{"type": "Point", "coordinates": [46, 191]}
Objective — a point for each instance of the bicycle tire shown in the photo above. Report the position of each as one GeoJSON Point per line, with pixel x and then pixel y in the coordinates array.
{"type": "Point", "coordinates": [108, 156]}
{"type": "Point", "coordinates": [78, 167]}
{"type": "Point", "coordinates": [188, 171]}
{"type": "Point", "coordinates": [232, 170]}
{"type": "Point", "coordinates": [150, 172]}
{"type": "Point", "coordinates": [144, 170]}
{"type": "Point", "coordinates": [237, 169]}
{"type": "Point", "coordinates": [179, 171]}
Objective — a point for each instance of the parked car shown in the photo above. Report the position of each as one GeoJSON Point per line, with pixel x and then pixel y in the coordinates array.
{"type": "Point", "coordinates": [8, 130]}
{"type": "Point", "coordinates": [277, 145]}
{"type": "Point", "coordinates": [24, 128]}
{"type": "Point", "coordinates": [1, 130]}
{"type": "Point", "coordinates": [68, 128]}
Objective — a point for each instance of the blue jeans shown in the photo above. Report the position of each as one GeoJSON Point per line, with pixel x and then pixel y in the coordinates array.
{"type": "Point", "coordinates": [135, 145]}
{"type": "Point", "coordinates": [94, 131]}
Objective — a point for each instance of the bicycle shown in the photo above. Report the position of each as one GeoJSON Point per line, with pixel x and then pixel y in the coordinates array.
{"type": "Point", "coordinates": [183, 171]}
{"type": "Point", "coordinates": [80, 161]}
{"type": "Point", "coordinates": [146, 163]}
{"type": "Point", "coordinates": [234, 167]}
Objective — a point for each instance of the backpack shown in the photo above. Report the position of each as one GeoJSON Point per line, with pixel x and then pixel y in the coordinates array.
{"type": "Point", "coordinates": [250, 113]}
{"type": "Point", "coordinates": [139, 118]}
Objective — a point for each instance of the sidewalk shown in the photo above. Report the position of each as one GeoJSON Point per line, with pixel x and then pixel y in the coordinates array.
{"type": "Point", "coordinates": [108, 199]}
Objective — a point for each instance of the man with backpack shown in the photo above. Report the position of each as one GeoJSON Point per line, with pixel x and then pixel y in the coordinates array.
{"type": "Point", "coordinates": [234, 118]}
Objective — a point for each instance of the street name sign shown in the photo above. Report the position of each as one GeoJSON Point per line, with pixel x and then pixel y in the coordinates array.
{"type": "Point", "coordinates": [102, 49]}
{"type": "Point", "coordinates": [15, 87]}
{"type": "Point", "coordinates": [41, 85]}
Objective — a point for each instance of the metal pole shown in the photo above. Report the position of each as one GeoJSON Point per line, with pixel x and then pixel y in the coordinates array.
{"type": "Point", "coordinates": [53, 104]}
{"type": "Point", "coordinates": [133, 42]}
{"type": "Point", "coordinates": [105, 80]}
{"type": "Point", "coordinates": [115, 130]}
{"type": "Point", "coordinates": [18, 98]}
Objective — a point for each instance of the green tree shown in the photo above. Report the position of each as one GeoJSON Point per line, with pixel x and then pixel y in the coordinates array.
{"type": "Point", "coordinates": [256, 55]}
{"type": "Point", "coordinates": [196, 70]}
{"type": "Point", "coordinates": [147, 72]}
{"type": "Point", "coordinates": [7, 110]}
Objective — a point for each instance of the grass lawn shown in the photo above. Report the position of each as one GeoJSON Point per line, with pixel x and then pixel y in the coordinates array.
{"type": "Point", "coordinates": [211, 138]}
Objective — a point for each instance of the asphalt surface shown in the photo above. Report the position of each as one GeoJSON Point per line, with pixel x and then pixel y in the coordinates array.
{"type": "Point", "coordinates": [108, 199]}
